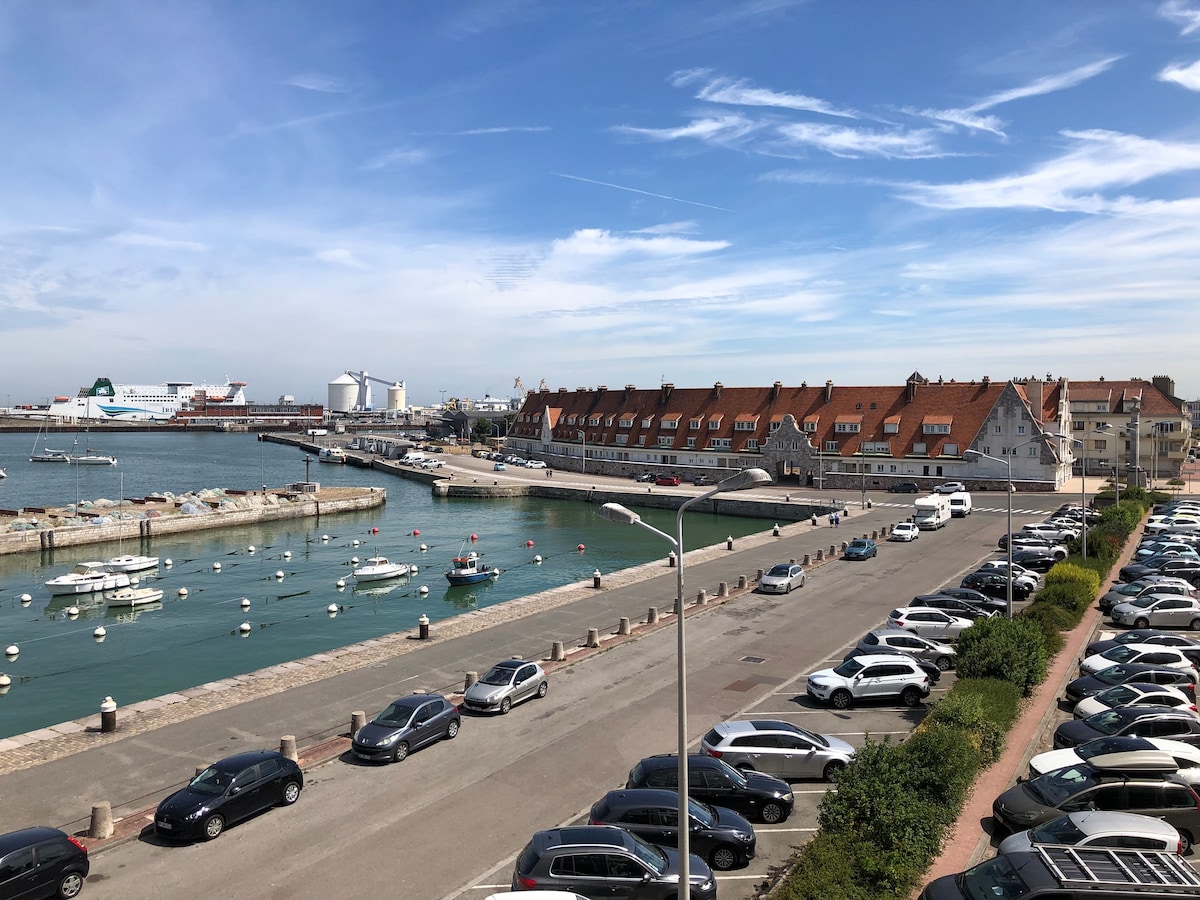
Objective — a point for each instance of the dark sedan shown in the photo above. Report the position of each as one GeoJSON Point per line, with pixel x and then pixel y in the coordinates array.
{"type": "Point", "coordinates": [1123, 673]}
{"type": "Point", "coordinates": [1122, 721]}
{"type": "Point", "coordinates": [407, 724]}
{"type": "Point", "coordinates": [229, 790]}
{"type": "Point", "coordinates": [1038, 560]}
{"type": "Point", "coordinates": [1177, 566]}
{"type": "Point", "coordinates": [995, 584]}
{"type": "Point", "coordinates": [961, 608]}
{"type": "Point", "coordinates": [903, 487]}
{"type": "Point", "coordinates": [974, 597]}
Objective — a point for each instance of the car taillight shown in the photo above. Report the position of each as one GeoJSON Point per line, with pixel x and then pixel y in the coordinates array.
{"type": "Point", "coordinates": [527, 884]}
{"type": "Point", "coordinates": [716, 754]}
{"type": "Point", "coordinates": [77, 844]}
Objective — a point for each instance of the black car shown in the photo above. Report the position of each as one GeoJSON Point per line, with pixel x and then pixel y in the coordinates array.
{"type": "Point", "coordinates": [229, 790]}
{"type": "Point", "coordinates": [751, 794]}
{"type": "Point", "coordinates": [1130, 591]}
{"type": "Point", "coordinates": [407, 724]}
{"type": "Point", "coordinates": [974, 597]}
{"type": "Point", "coordinates": [1138, 721]}
{"type": "Point", "coordinates": [1123, 673]}
{"type": "Point", "coordinates": [961, 608]}
{"type": "Point", "coordinates": [41, 862]}
{"type": "Point", "coordinates": [929, 668]}
{"type": "Point", "coordinates": [603, 861]}
{"type": "Point", "coordinates": [718, 835]}
{"type": "Point", "coordinates": [903, 487]}
{"type": "Point", "coordinates": [1033, 558]}
{"type": "Point", "coordinates": [1143, 636]}
{"type": "Point", "coordinates": [1175, 566]}
{"type": "Point", "coordinates": [995, 583]}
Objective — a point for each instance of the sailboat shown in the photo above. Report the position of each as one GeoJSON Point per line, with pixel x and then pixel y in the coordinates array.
{"type": "Point", "coordinates": [91, 457]}
{"type": "Point", "coordinates": [129, 563]}
{"type": "Point", "coordinates": [46, 454]}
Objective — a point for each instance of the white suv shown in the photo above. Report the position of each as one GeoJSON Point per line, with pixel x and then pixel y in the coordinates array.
{"type": "Point", "coordinates": [870, 677]}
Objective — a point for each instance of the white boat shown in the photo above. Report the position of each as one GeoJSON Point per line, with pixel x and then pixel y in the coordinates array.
{"type": "Point", "coordinates": [331, 455]}
{"type": "Point", "coordinates": [379, 568]}
{"type": "Point", "coordinates": [3, 474]}
{"type": "Point", "coordinates": [128, 563]}
{"type": "Point", "coordinates": [45, 454]}
{"type": "Point", "coordinates": [91, 457]}
{"type": "Point", "coordinates": [87, 577]}
{"type": "Point", "coordinates": [134, 596]}
{"type": "Point", "coordinates": [145, 402]}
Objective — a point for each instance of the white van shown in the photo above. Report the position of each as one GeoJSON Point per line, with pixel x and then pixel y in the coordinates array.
{"type": "Point", "coordinates": [960, 504]}
{"type": "Point", "coordinates": [411, 458]}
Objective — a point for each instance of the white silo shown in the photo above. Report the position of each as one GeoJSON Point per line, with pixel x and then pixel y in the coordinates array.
{"type": "Point", "coordinates": [343, 394]}
{"type": "Point", "coordinates": [397, 397]}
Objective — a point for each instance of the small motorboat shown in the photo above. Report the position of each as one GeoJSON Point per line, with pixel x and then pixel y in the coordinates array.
{"type": "Point", "coordinates": [466, 570]}
{"type": "Point", "coordinates": [87, 577]}
{"type": "Point", "coordinates": [3, 474]}
{"type": "Point", "coordinates": [331, 455]}
{"type": "Point", "coordinates": [379, 568]}
{"type": "Point", "coordinates": [129, 563]}
{"type": "Point", "coordinates": [134, 596]}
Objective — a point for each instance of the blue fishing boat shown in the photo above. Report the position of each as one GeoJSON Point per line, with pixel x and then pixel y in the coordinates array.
{"type": "Point", "coordinates": [467, 570]}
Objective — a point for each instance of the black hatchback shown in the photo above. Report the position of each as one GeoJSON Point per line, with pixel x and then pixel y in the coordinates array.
{"type": "Point", "coordinates": [718, 835]}
{"type": "Point", "coordinates": [751, 794]}
{"type": "Point", "coordinates": [229, 790]}
{"type": "Point", "coordinates": [41, 862]}
{"type": "Point", "coordinates": [1124, 673]}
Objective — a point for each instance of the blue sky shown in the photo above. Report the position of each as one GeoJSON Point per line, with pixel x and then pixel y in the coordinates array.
{"type": "Point", "coordinates": [460, 194]}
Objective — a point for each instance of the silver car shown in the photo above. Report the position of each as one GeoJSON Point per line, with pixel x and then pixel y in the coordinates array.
{"type": "Point", "coordinates": [1159, 611]}
{"type": "Point", "coordinates": [777, 748]}
{"type": "Point", "coordinates": [782, 578]}
{"type": "Point", "coordinates": [504, 684]}
{"type": "Point", "coordinates": [1098, 828]}
{"type": "Point", "coordinates": [941, 655]}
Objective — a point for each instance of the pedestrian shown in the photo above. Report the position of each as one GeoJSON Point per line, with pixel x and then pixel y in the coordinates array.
{"type": "Point", "coordinates": [831, 520]}
{"type": "Point", "coordinates": [837, 520]}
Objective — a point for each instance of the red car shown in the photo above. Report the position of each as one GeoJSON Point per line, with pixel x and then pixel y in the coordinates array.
{"type": "Point", "coordinates": [667, 480]}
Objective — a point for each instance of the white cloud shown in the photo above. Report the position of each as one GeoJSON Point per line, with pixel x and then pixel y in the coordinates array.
{"type": "Point", "coordinates": [137, 239]}
{"type": "Point", "coordinates": [501, 129]}
{"type": "Point", "coordinates": [687, 227]}
{"type": "Point", "coordinates": [598, 243]}
{"type": "Point", "coordinates": [1185, 76]}
{"type": "Point", "coordinates": [401, 156]}
{"type": "Point", "coordinates": [341, 257]}
{"type": "Point", "coordinates": [1182, 14]}
{"type": "Point", "coordinates": [855, 143]}
{"type": "Point", "coordinates": [322, 83]}
{"type": "Point", "coordinates": [717, 129]}
{"type": "Point", "coordinates": [743, 93]}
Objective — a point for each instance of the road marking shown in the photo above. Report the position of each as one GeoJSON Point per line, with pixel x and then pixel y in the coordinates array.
{"type": "Point", "coordinates": [761, 830]}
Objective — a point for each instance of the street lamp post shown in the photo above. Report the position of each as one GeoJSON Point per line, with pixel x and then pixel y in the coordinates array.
{"type": "Point", "coordinates": [583, 437]}
{"type": "Point", "coordinates": [615, 512]}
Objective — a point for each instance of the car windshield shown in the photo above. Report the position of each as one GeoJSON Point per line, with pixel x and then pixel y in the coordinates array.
{"type": "Point", "coordinates": [1101, 746]}
{"type": "Point", "coordinates": [1112, 675]}
{"type": "Point", "coordinates": [849, 668]}
{"type": "Point", "coordinates": [995, 879]}
{"type": "Point", "coordinates": [395, 716]}
{"type": "Point", "coordinates": [1107, 722]}
{"type": "Point", "coordinates": [1143, 602]}
{"type": "Point", "coordinates": [1058, 831]}
{"type": "Point", "coordinates": [1118, 696]}
{"type": "Point", "coordinates": [1135, 587]}
{"type": "Point", "coordinates": [650, 855]}
{"type": "Point", "coordinates": [702, 813]}
{"type": "Point", "coordinates": [1060, 785]}
{"type": "Point", "coordinates": [780, 571]}
{"type": "Point", "coordinates": [732, 774]}
{"type": "Point", "coordinates": [212, 781]}
{"type": "Point", "coordinates": [858, 545]}
{"type": "Point", "coordinates": [1122, 653]}
{"type": "Point", "coordinates": [498, 675]}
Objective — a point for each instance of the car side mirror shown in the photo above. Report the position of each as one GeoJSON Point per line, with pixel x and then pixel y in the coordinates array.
{"type": "Point", "coordinates": [645, 878]}
{"type": "Point", "coordinates": [1020, 779]}
{"type": "Point", "coordinates": [235, 790]}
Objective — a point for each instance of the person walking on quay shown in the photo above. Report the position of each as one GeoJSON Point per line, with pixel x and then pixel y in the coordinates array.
{"type": "Point", "coordinates": [837, 520]}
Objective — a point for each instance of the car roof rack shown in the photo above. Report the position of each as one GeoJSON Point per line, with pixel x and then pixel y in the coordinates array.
{"type": "Point", "coordinates": [1160, 870]}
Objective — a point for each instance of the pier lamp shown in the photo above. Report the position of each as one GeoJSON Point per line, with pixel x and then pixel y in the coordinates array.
{"type": "Point", "coordinates": [615, 512]}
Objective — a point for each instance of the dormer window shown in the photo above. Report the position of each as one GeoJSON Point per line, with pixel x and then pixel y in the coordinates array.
{"type": "Point", "coordinates": [694, 424]}
{"type": "Point", "coordinates": [626, 422]}
{"type": "Point", "coordinates": [714, 424]}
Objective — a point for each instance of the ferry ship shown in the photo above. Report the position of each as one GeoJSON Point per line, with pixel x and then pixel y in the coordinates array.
{"type": "Point", "coordinates": [145, 402]}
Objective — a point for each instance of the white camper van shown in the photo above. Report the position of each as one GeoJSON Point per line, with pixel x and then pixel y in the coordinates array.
{"type": "Point", "coordinates": [932, 512]}
{"type": "Point", "coordinates": [960, 504]}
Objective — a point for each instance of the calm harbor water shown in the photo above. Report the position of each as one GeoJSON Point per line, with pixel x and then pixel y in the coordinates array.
{"type": "Point", "coordinates": [62, 672]}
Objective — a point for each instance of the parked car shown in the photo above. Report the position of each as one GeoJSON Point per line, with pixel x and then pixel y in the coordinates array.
{"type": "Point", "coordinates": [668, 480]}
{"type": "Point", "coordinates": [961, 608]}
{"type": "Point", "coordinates": [701, 480]}
{"type": "Point", "coordinates": [1186, 756]}
{"type": "Point", "coordinates": [949, 487]}
{"type": "Point", "coordinates": [720, 836]}
{"type": "Point", "coordinates": [1177, 567]}
{"type": "Point", "coordinates": [1051, 532]}
{"type": "Point", "coordinates": [1159, 612]}
{"type": "Point", "coordinates": [972, 596]}
{"type": "Point", "coordinates": [1098, 828]}
{"type": "Point", "coordinates": [860, 548]}
{"type": "Point", "coordinates": [499, 467]}
{"type": "Point", "coordinates": [1143, 636]}
{"type": "Point", "coordinates": [644, 477]}
{"type": "Point", "coordinates": [602, 860]}
{"type": "Point", "coordinates": [1123, 593]}
{"type": "Point", "coordinates": [535, 464]}
{"type": "Point", "coordinates": [754, 795]}
{"type": "Point", "coordinates": [1124, 673]}
{"type": "Point", "coordinates": [1154, 654]}
{"type": "Point", "coordinates": [777, 748]}
{"type": "Point", "coordinates": [905, 531]}
{"type": "Point", "coordinates": [928, 622]}
{"type": "Point", "coordinates": [880, 676]}
{"type": "Point", "coordinates": [407, 724]}
{"type": "Point", "coordinates": [995, 584]}
{"type": "Point", "coordinates": [931, 670]}
{"type": "Point", "coordinates": [1036, 559]}
{"type": "Point", "coordinates": [781, 578]}
{"type": "Point", "coordinates": [231, 789]}
{"type": "Point", "coordinates": [1028, 580]}
{"type": "Point", "coordinates": [1136, 693]}
{"type": "Point", "coordinates": [1137, 721]}
{"type": "Point", "coordinates": [41, 862]}
{"type": "Point", "coordinates": [1165, 548]}
{"type": "Point", "coordinates": [941, 655]}
{"type": "Point", "coordinates": [505, 684]}
{"type": "Point", "coordinates": [903, 487]}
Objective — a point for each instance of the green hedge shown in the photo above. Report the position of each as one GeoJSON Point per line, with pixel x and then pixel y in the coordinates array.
{"type": "Point", "coordinates": [1008, 649]}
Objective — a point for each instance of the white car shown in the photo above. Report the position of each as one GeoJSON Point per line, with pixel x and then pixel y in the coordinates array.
{"type": "Point", "coordinates": [870, 677]}
{"type": "Point", "coordinates": [950, 487]}
{"type": "Point", "coordinates": [431, 464]}
{"type": "Point", "coordinates": [535, 464]}
{"type": "Point", "coordinates": [1186, 756]}
{"type": "Point", "coordinates": [905, 531]}
{"type": "Point", "coordinates": [1021, 575]}
{"type": "Point", "coordinates": [928, 622]}
{"type": "Point", "coordinates": [1155, 654]}
{"type": "Point", "coordinates": [1098, 828]}
{"type": "Point", "coordinates": [1133, 694]}
{"type": "Point", "coordinates": [781, 578]}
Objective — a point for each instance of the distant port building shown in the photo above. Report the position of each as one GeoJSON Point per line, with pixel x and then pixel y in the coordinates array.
{"type": "Point", "coordinates": [865, 437]}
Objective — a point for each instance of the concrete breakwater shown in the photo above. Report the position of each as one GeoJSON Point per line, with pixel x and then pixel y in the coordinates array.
{"type": "Point", "coordinates": [49, 528]}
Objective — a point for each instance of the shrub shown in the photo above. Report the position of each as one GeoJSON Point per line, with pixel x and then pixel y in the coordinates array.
{"type": "Point", "coordinates": [983, 708]}
{"type": "Point", "coordinates": [1073, 573]}
{"type": "Point", "coordinates": [1009, 649]}
{"type": "Point", "coordinates": [1052, 621]}
{"type": "Point", "coordinates": [1069, 597]}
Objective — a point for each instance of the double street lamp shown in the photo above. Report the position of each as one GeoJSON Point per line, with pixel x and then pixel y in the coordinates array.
{"type": "Point", "coordinates": [615, 512]}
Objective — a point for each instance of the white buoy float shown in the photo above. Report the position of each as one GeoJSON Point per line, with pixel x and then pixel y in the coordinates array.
{"type": "Point", "coordinates": [5, 683]}
{"type": "Point", "coordinates": [332, 609]}
{"type": "Point", "coordinates": [250, 549]}
{"type": "Point", "coordinates": [216, 567]}
{"type": "Point", "coordinates": [324, 537]}
{"type": "Point", "coordinates": [537, 559]}
{"type": "Point", "coordinates": [423, 589]}
{"type": "Point", "coordinates": [12, 651]}
{"type": "Point", "coordinates": [245, 603]}
{"type": "Point", "coordinates": [182, 592]}
{"type": "Point", "coordinates": [244, 628]}
{"type": "Point", "coordinates": [279, 575]}
{"type": "Point", "coordinates": [99, 633]}
{"type": "Point", "coordinates": [354, 543]}
{"type": "Point", "coordinates": [413, 570]}
{"type": "Point", "coordinates": [287, 554]}
{"type": "Point", "coordinates": [73, 612]}
{"type": "Point", "coordinates": [168, 562]}
{"type": "Point", "coordinates": [354, 560]}
{"type": "Point", "coordinates": [134, 581]}
{"type": "Point", "coordinates": [423, 548]}
{"type": "Point", "coordinates": [341, 583]}
{"type": "Point", "coordinates": [26, 599]}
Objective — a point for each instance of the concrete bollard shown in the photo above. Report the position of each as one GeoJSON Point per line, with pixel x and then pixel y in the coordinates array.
{"type": "Point", "coordinates": [472, 678]}
{"type": "Point", "coordinates": [864, 536]}
{"type": "Point", "coordinates": [671, 560]}
{"type": "Point", "coordinates": [108, 716]}
{"type": "Point", "coordinates": [759, 575]}
{"type": "Point", "coordinates": [652, 616]}
{"type": "Point", "coordinates": [729, 542]}
{"type": "Point", "coordinates": [593, 637]}
{"type": "Point", "coordinates": [423, 627]}
{"type": "Point", "coordinates": [596, 579]}
{"type": "Point", "coordinates": [844, 546]}
{"type": "Point", "coordinates": [557, 653]}
{"type": "Point", "coordinates": [814, 519]}
{"type": "Point", "coordinates": [807, 560]}
{"type": "Point", "coordinates": [623, 627]}
{"type": "Point", "coordinates": [833, 549]}
{"type": "Point", "coordinates": [701, 597]}
{"type": "Point", "coordinates": [723, 589]}
{"type": "Point", "coordinates": [775, 530]}
{"type": "Point", "coordinates": [287, 747]}
{"type": "Point", "coordinates": [741, 582]}
{"type": "Point", "coordinates": [101, 826]}
{"type": "Point", "coordinates": [874, 535]}
{"type": "Point", "coordinates": [820, 555]}
{"type": "Point", "coordinates": [358, 721]}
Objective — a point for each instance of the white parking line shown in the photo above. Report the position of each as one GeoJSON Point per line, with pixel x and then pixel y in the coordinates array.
{"type": "Point", "coordinates": [761, 830]}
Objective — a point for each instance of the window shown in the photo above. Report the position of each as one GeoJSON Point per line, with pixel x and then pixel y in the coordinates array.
{"type": "Point", "coordinates": [752, 444]}
{"type": "Point", "coordinates": [719, 443]}
{"type": "Point", "coordinates": [694, 424]}
{"type": "Point", "coordinates": [997, 429]}
{"type": "Point", "coordinates": [891, 427]}
{"type": "Point", "coordinates": [847, 427]}
{"type": "Point", "coordinates": [580, 865]}
{"type": "Point", "coordinates": [936, 428]}
{"type": "Point", "coordinates": [1102, 407]}
{"type": "Point", "coordinates": [810, 427]}
{"type": "Point", "coordinates": [646, 421]}
{"type": "Point", "coordinates": [666, 441]}
{"type": "Point", "coordinates": [691, 442]}
{"type": "Point", "coordinates": [1034, 451]}
{"type": "Point", "coordinates": [594, 420]}
{"type": "Point", "coordinates": [608, 422]}
{"type": "Point", "coordinates": [1101, 445]}
{"type": "Point", "coordinates": [876, 447]}
{"type": "Point", "coordinates": [626, 422]}
{"type": "Point", "coordinates": [831, 446]}
{"type": "Point", "coordinates": [671, 424]}
{"type": "Point", "coordinates": [622, 439]}
{"type": "Point", "coordinates": [570, 420]}
{"type": "Point", "coordinates": [774, 426]}
{"type": "Point", "coordinates": [1020, 429]}
{"type": "Point", "coordinates": [745, 424]}
{"type": "Point", "coordinates": [920, 447]}
{"type": "Point", "coordinates": [714, 423]}
{"type": "Point", "coordinates": [950, 449]}
{"type": "Point", "coordinates": [17, 862]}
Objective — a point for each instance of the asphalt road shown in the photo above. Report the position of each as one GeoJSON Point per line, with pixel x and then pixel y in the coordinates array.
{"type": "Point", "coordinates": [448, 821]}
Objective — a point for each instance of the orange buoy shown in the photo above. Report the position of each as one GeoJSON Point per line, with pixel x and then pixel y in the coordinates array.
{"type": "Point", "coordinates": [474, 537]}
{"type": "Point", "coordinates": [529, 543]}
{"type": "Point", "coordinates": [416, 533]}
{"type": "Point", "coordinates": [375, 530]}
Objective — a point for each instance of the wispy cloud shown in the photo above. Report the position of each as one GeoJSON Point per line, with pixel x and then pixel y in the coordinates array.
{"type": "Point", "coordinates": [501, 129]}
{"type": "Point", "coordinates": [1181, 13]}
{"type": "Point", "coordinates": [742, 93]}
{"type": "Point", "coordinates": [716, 129]}
{"type": "Point", "coordinates": [1184, 76]}
{"type": "Point", "coordinates": [688, 227]}
{"type": "Point", "coordinates": [340, 256]}
{"type": "Point", "coordinates": [137, 239]}
{"type": "Point", "coordinates": [324, 84]}
{"type": "Point", "coordinates": [621, 187]}
{"type": "Point", "coordinates": [855, 143]}
{"type": "Point", "coordinates": [401, 156]}
{"type": "Point", "coordinates": [599, 243]}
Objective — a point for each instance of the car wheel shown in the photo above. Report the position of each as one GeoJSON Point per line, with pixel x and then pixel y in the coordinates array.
{"type": "Point", "coordinates": [291, 793]}
{"type": "Point", "coordinates": [452, 729]}
{"type": "Point", "coordinates": [803, 578]}
{"type": "Point", "coordinates": [1195, 626]}
{"type": "Point", "coordinates": [1141, 623]}
{"type": "Point", "coordinates": [840, 699]}
{"type": "Point", "coordinates": [70, 885]}
{"type": "Point", "coordinates": [505, 706]}
{"type": "Point", "coordinates": [213, 826]}
{"type": "Point", "coordinates": [833, 770]}
{"type": "Point", "coordinates": [910, 696]}
{"type": "Point", "coordinates": [1185, 842]}
{"type": "Point", "coordinates": [787, 588]}
{"type": "Point", "coordinates": [543, 689]}
{"type": "Point", "coordinates": [401, 752]}
{"type": "Point", "coordinates": [723, 858]}
{"type": "Point", "coordinates": [772, 813]}
{"type": "Point", "coordinates": [943, 663]}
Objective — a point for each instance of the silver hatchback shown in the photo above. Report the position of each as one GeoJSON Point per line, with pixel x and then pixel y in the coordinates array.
{"type": "Point", "coordinates": [777, 748]}
{"type": "Point", "coordinates": [941, 655]}
{"type": "Point", "coordinates": [506, 684]}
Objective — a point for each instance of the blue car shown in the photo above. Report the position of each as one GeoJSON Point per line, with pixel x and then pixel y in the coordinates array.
{"type": "Point", "coordinates": [860, 548]}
